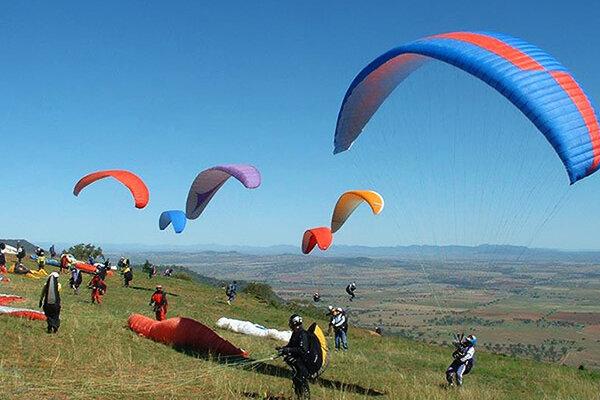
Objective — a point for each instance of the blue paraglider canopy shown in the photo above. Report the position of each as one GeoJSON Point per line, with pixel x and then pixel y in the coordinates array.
{"type": "Point", "coordinates": [173, 217]}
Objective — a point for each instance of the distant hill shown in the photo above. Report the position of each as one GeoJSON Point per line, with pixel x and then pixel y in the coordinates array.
{"type": "Point", "coordinates": [484, 252]}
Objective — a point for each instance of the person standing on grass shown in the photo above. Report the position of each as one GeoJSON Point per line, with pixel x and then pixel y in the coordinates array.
{"type": "Point", "coordinates": [98, 287]}
{"type": "Point", "coordinates": [20, 253]}
{"type": "Point", "coordinates": [464, 359]}
{"type": "Point", "coordinates": [2, 259]}
{"type": "Point", "coordinates": [41, 261]}
{"type": "Point", "coordinates": [160, 303]}
{"type": "Point", "coordinates": [50, 301]}
{"type": "Point", "coordinates": [339, 324]}
{"type": "Point", "coordinates": [231, 292]}
{"type": "Point", "coordinates": [76, 279]}
{"type": "Point", "coordinates": [125, 271]}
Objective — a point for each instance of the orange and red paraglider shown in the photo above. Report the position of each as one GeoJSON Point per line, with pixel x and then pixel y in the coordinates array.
{"type": "Point", "coordinates": [349, 201]}
{"type": "Point", "coordinates": [321, 237]}
{"type": "Point", "coordinates": [134, 183]}
{"type": "Point", "coordinates": [185, 333]}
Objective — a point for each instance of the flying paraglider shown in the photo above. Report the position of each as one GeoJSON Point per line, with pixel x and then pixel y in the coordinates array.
{"type": "Point", "coordinates": [209, 181]}
{"type": "Point", "coordinates": [172, 217]}
{"type": "Point", "coordinates": [136, 186]}
{"type": "Point", "coordinates": [321, 237]}
{"type": "Point", "coordinates": [536, 83]}
{"type": "Point", "coordinates": [349, 201]}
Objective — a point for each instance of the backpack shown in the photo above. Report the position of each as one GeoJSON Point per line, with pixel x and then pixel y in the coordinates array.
{"type": "Point", "coordinates": [317, 356]}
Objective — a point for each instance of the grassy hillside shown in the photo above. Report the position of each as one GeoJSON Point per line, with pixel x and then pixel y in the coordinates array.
{"type": "Point", "coordinates": [95, 356]}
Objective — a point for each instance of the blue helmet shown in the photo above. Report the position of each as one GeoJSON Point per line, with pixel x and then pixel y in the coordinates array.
{"type": "Point", "coordinates": [472, 340]}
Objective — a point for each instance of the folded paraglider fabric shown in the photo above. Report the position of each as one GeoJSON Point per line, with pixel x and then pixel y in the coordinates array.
{"type": "Point", "coordinates": [185, 333]}
{"type": "Point", "coordinates": [22, 313]}
{"type": "Point", "coordinates": [90, 269]}
{"type": "Point", "coordinates": [9, 298]}
{"type": "Point", "coordinates": [252, 329]}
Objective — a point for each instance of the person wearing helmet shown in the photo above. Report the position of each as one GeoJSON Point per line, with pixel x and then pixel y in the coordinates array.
{"type": "Point", "coordinates": [2, 259]}
{"type": "Point", "coordinates": [50, 302]}
{"type": "Point", "coordinates": [339, 324]}
{"type": "Point", "coordinates": [41, 260]}
{"type": "Point", "coordinates": [350, 290]}
{"type": "Point", "coordinates": [231, 292]}
{"type": "Point", "coordinates": [464, 359]}
{"type": "Point", "coordinates": [126, 271]}
{"type": "Point", "coordinates": [294, 355]}
{"type": "Point", "coordinates": [98, 287]}
{"type": "Point", "coordinates": [75, 280]}
{"type": "Point", "coordinates": [160, 303]}
{"type": "Point", "coordinates": [316, 297]}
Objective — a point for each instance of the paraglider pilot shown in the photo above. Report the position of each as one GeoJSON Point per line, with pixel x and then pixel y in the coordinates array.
{"type": "Point", "coordinates": [339, 323]}
{"type": "Point", "coordinates": [231, 292]}
{"type": "Point", "coordinates": [2, 259]}
{"type": "Point", "coordinates": [98, 287]}
{"type": "Point", "coordinates": [160, 303]}
{"type": "Point", "coordinates": [50, 301]}
{"type": "Point", "coordinates": [126, 271]}
{"type": "Point", "coordinates": [294, 354]}
{"type": "Point", "coordinates": [75, 280]}
{"type": "Point", "coordinates": [316, 297]}
{"type": "Point", "coordinates": [350, 290]}
{"type": "Point", "coordinates": [464, 359]}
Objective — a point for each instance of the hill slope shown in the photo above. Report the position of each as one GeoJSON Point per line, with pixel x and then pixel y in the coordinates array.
{"type": "Point", "coordinates": [95, 356]}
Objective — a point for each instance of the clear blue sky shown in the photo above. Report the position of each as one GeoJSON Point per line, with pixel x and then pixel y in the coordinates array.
{"type": "Point", "coordinates": [167, 89]}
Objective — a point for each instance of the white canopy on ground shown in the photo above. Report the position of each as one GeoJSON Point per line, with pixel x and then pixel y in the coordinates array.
{"type": "Point", "coordinates": [250, 328]}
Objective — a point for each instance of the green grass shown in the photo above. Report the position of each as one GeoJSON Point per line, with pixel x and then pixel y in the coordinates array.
{"type": "Point", "coordinates": [95, 356]}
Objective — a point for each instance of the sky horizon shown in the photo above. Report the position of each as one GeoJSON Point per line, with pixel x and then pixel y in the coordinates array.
{"type": "Point", "coordinates": [167, 90]}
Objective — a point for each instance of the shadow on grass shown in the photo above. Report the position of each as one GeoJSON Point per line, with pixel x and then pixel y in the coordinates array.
{"type": "Point", "coordinates": [264, 368]}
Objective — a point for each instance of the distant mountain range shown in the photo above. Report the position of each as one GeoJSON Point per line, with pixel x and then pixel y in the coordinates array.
{"type": "Point", "coordinates": [414, 252]}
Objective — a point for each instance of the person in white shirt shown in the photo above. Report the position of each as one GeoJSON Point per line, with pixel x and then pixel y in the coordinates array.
{"type": "Point", "coordinates": [464, 359]}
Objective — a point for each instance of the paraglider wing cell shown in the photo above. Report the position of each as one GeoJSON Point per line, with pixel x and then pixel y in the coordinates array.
{"type": "Point", "coordinates": [536, 83]}
{"type": "Point", "coordinates": [136, 186]}
{"type": "Point", "coordinates": [316, 236]}
{"type": "Point", "coordinates": [209, 181]}
{"type": "Point", "coordinates": [349, 201]}
{"type": "Point", "coordinates": [173, 217]}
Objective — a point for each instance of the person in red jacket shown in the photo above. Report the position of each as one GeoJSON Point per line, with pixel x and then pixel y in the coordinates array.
{"type": "Point", "coordinates": [98, 287]}
{"type": "Point", "coordinates": [160, 303]}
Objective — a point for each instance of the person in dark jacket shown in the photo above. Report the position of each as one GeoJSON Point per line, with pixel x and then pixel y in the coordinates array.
{"type": "Point", "coordinates": [52, 252]}
{"type": "Point", "coordinates": [102, 270]}
{"type": "Point", "coordinates": [20, 253]}
{"type": "Point", "coordinates": [231, 292]}
{"type": "Point", "coordinates": [75, 280]}
{"type": "Point", "coordinates": [50, 301]}
{"type": "Point", "coordinates": [464, 359]}
{"type": "Point", "coordinates": [2, 259]}
{"type": "Point", "coordinates": [294, 354]}
{"type": "Point", "coordinates": [125, 271]}
{"type": "Point", "coordinates": [350, 290]}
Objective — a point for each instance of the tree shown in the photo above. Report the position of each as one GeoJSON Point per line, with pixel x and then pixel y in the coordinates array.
{"type": "Point", "coordinates": [82, 251]}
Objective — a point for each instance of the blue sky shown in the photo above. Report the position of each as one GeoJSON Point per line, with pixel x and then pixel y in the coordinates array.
{"type": "Point", "coordinates": [168, 89]}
